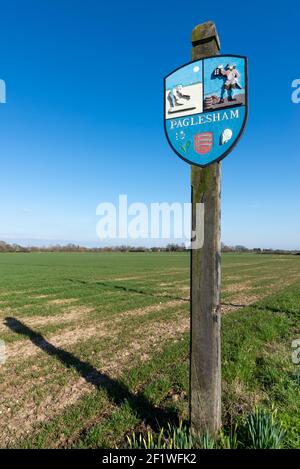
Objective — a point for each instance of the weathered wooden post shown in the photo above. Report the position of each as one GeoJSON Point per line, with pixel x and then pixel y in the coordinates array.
{"type": "Point", "coordinates": [205, 372]}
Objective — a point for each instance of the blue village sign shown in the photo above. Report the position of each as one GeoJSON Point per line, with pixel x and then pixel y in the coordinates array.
{"type": "Point", "coordinates": [206, 108]}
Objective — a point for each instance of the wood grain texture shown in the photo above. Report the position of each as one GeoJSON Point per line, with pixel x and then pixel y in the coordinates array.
{"type": "Point", "coordinates": [205, 372]}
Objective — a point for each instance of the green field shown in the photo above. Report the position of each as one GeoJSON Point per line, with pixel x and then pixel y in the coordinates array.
{"type": "Point", "coordinates": [97, 344]}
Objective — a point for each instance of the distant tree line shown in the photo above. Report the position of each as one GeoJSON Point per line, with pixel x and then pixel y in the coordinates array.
{"type": "Point", "coordinates": [70, 247]}
{"type": "Point", "coordinates": [172, 247]}
{"type": "Point", "coordinates": [241, 248]}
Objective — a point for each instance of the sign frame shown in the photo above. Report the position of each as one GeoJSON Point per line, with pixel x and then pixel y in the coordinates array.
{"type": "Point", "coordinates": [246, 108]}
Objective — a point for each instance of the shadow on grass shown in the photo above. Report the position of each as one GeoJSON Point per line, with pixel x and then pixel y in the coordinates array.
{"type": "Point", "coordinates": [116, 390]}
{"type": "Point", "coordinates": [126, 289]}
{"type": "Point", "coordinates": [265, 308]}
{"type": "Point", "coordinates": [172, 297]}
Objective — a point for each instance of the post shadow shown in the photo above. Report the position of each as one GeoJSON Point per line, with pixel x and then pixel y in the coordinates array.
{"type": "Point", "coordinates": [125, 288]}
{"type": "Point", "coordinates": [117, 391]}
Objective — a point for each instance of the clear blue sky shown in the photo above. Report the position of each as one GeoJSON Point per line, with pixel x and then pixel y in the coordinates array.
{"type": "Point", "coordinates": [84, 115]}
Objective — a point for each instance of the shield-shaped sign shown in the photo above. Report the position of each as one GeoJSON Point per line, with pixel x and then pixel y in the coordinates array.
{"type": "Point", "coordinates": [206, 108]}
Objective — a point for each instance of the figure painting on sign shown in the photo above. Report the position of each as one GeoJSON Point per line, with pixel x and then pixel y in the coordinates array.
{"type": "Point", "coordinates": [177, 98]}
{"type": "Point", "coordinates": [224, 85]}
{"type": "Point", "coordinates": [231, 81]}
{"type": "Point", "coordinates": [183, 93]}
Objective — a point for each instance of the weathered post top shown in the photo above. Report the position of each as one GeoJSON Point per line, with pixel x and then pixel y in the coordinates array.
{"type": "Point", "coordinates": [205, 40]}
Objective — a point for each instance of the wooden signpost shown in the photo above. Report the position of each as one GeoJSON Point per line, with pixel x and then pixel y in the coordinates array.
{"type": "Point", "coordinates": [205, 360]}
{"type": "Point", "coordinates": [205, 115]}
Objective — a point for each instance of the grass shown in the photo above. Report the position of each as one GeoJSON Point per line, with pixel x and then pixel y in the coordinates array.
{"type": "Point", "coordinates": [118, 362]}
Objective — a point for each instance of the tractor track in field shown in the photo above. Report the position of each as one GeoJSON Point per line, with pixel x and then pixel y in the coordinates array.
{"type": "Point", "coordinates": [23, 421]}
{"type": "Point", "coordinates": [40, 321]}
{"type": "Point", "coordinates": [25, 348]}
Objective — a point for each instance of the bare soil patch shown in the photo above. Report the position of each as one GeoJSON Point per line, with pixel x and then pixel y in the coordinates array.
{"type": "Point", "coordinates": [63, 301]}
